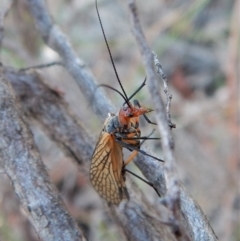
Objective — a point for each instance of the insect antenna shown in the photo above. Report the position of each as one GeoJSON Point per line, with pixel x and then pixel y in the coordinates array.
{"type": "Point", "coordinates": [132, 95]}
{"type": "Point", "coordinates": [136, 91]}
{"type": "Point", "coordinates": [110, 54]}
{"type": "Point", "coordinates": [110, 87]}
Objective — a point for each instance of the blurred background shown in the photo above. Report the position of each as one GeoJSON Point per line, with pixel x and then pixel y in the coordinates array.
{"type": "Point", "coordinates": [197, 42]}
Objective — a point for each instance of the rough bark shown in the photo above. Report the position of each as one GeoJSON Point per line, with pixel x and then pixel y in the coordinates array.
{"type": "Point", "coordinates": [21, 161]}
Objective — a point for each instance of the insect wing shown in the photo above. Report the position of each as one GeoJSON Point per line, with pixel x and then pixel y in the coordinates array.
{"type": "Point", "coordinates": [106, 170]}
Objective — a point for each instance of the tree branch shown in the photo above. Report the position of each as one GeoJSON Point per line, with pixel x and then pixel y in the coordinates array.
{"type": "Point", "coordinates": [48, 108]}
{"type": "Point", "coordinates": [166, 90]}
{"type": "Point", "coordinates": [56, 40]}
{"type": "Point", "coordinates": [22, 163]}
{"type": "Point", "coordinates": [174, 195]}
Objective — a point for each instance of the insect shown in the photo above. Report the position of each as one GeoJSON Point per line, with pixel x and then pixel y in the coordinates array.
{"type": "Point", "coordinates": [107, 171]}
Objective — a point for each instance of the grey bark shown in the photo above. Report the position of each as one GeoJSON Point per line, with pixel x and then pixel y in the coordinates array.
{"type": "Point", "coordinates": [22, 163]}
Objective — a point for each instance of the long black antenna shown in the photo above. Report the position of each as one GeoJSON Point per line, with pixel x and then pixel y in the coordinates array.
{"type": "Point", "coordinates": [136, 91]}
{"type": "Point", "coordinates": [110, 87]}
{"type": "Point", "coordinates": [115, 70]}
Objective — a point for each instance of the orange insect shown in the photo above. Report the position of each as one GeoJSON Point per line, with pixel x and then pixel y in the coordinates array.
{"type": "Point", "coordinates": [108, 167]}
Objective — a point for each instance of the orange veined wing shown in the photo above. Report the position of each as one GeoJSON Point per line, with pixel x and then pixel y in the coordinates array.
{"type": "Point", "coordinates": [106, 170]}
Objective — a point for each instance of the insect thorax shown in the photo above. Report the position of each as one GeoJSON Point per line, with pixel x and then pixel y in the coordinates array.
{"type": "Point", "coordinates": [113, 126]}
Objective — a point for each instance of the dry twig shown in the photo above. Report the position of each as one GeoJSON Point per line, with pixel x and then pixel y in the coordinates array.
{"type": "Point", "coordinates": [42, 66]}
{"type": "Point", "coordinates": [173, 198]}
{"type": "Point", "coordinates": [166, 90]}
{"type": "Point", "coordinates": [23, 165]}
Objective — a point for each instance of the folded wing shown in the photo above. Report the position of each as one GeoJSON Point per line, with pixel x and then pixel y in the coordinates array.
{"type": "Point", "coordinates": [106, 170]}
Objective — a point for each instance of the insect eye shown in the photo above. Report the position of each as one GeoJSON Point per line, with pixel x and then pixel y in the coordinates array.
{"type": "Point", "coordinates": [125, 108]}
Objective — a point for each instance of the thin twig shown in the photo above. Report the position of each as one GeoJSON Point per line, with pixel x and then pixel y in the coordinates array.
{"type": "Point", "coordinates": [42, 66]}
{"type": "Point", "coordinates": [176, 199]}
{"type": "Point", "coordinates": [165, 88]}
{"type": "Point", "coordinates": [172, 197]}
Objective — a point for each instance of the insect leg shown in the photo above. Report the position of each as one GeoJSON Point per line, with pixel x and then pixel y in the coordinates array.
{"type": "Point", "coordinates": [141, 138]}
{"type": "Point", "coordinates": [136, 103]}
{"type": "Point", "coordinates": [123, 144]}
{"type": "Point", "coordinates": [130, 158]}
{"type": "Point", "coordinates": [148, 183]}
{"type": "Point", "coordinates": [132, 136]}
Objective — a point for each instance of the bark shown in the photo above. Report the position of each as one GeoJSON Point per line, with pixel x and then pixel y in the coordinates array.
{"type": "Point", "coordinates": [47, 106]}
{"type": "Point", "coordinates": [22, 163]}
